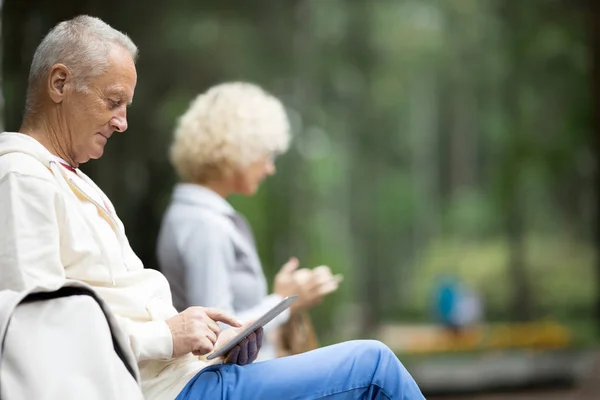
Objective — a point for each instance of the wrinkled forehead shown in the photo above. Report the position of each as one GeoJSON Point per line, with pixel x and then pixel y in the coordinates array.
{"type": "Point", "coordinates": [119, 92]}
{"type": "Point", "coordinates": [120, 78]}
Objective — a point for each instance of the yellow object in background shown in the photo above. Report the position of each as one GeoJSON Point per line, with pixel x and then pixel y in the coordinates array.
{"type": "Point", "coordinates": [435, 339]}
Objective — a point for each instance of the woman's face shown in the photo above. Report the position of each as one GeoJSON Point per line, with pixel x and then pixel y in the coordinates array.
{"type": "Point", "coordinates": [248, 179]}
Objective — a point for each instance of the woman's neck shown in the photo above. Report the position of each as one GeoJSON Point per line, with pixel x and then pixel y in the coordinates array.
{"type": "Point", "coordinates": [223, 189]}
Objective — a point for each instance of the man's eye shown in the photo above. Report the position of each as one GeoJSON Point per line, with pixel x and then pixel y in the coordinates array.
{"type": "Point", "coordinates": [114, 104]}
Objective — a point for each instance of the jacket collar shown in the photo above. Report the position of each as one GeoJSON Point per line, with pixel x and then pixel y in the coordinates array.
{"type": "Point", "coordinates": [202, 196]}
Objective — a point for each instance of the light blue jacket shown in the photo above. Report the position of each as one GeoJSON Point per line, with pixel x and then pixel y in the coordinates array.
{"type": "Point", "coordinates": [211, 262]}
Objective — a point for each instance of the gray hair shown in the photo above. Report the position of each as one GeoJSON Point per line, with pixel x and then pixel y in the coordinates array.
{"type": "Point", "coordinates": [82, 44]}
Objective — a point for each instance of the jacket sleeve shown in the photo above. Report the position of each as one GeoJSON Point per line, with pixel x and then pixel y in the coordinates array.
{"type": "Point", "coordinates": [30, 208]}
{"type": "Point", "coordinates": [149, 340]}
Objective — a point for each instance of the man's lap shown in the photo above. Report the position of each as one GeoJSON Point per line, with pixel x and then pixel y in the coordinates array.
{"type": "Point", "coordinates": [345, 370]}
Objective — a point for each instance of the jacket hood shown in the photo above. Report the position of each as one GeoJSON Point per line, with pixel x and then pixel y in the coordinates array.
{"type": "Point", "coordinates": [14, 142]}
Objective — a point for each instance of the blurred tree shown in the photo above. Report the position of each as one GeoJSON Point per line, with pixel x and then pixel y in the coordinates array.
{"type": "Point", "coordinates": [515, 157]}
{"type": "Point", "coordinates": [364, 146]}
{"type": "Point", "coordinates": [429, 138]}
{"type": "Point", "coordinates": [594, 17]}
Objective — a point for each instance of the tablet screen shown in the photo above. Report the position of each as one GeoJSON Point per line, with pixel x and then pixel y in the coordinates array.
{"type": "Point", "coordinates": [259, 323]}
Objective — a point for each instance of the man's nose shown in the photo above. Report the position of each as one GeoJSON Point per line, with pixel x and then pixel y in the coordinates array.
{"type": "Point", "coordinates": [119, 122]}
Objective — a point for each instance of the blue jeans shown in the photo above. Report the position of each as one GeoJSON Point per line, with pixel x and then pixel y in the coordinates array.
{"type": "Point", "coordinates": [362, 369]}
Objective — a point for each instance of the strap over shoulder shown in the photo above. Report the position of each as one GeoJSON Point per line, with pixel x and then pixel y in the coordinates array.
{"type": "Point", "coordinates": [18, 340]}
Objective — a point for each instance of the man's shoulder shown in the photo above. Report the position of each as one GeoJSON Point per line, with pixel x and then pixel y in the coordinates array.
{"type": "Point", "coordinates": [23, 164]}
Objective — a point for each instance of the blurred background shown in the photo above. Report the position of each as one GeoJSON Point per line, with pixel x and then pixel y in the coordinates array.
{"type": "Point", "coordinates": [444, 159]}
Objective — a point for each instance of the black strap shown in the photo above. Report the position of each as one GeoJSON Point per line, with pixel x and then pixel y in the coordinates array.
{"type": "Point", "coordinates": [66, 291]}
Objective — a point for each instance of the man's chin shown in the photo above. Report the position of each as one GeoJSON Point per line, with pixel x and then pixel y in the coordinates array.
{"type": "Point", "coordinates": [97, 153]}
{"type": "Point", "coordinates": [94, 156]}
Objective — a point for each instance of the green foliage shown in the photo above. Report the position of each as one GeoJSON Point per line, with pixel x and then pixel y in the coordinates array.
{"type": "Point", "coordinates": [562, 271]}
{"type": "Point", "coordinates": [471, 215]}
{"type": "Point", "coordinates": [429, 138]}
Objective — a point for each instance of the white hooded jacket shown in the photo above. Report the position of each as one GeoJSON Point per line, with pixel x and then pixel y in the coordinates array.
{"type": "Point", "coordinates": [49, 234]}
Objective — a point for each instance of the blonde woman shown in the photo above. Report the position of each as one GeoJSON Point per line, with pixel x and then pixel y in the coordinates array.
{"type": "Point", "coordinates": [225, 144]}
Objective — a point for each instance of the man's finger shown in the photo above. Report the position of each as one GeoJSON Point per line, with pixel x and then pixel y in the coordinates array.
{"type": "Point", "coordinates": [259, 338]}
{"type": "Point", "coordinates": [205, 346]}
{"type": "Point", "coordinates": [252, 348]}
{"type": "Point", "coordinates": [221, 316]}
{"type": "Point", "coordinates": [212, 336]}
{"type": "Point", "coordinates": [243, 356]}
{"type": "Point", "coordinates": [213, 326]}
{"type": "Point", "coordinates": [232, 356]}
{"type": "Point", "coordinates": [248, 323]}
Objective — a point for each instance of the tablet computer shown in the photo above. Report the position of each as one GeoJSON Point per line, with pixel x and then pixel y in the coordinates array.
{"type": "Point", "coordinates": [259, 323]}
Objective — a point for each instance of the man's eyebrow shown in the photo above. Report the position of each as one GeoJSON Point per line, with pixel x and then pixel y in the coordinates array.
{"type": "Point", "coordinates": [120, 93]}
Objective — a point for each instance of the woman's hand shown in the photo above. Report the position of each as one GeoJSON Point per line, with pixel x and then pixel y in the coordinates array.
{"type": "Point", "coordinates": [285, 283]}
{"type": "Point", "coordinates": [310, 285]}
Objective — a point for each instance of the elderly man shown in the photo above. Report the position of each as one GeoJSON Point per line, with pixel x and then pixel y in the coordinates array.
{"type": "Point", "coordinates": [57, 225]}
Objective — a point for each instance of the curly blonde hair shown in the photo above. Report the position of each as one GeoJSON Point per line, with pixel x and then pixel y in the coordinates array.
{"type": "Point", "coordinates": [227, 128]}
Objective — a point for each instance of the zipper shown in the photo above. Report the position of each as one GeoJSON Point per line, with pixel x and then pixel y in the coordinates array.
{"type": "Point", "coordinates": [113, 222]}
{"type": "Point", "coordinates": [69, 183]}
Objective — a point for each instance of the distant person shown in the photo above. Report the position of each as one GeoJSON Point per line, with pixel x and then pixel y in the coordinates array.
{"type": "Point", "coordinates": [469, 308]}
{"type": "Point", "coordinates": [457, 305]}
{"type": "Point", "coordinates": [446, 298]}
{"type": "Point", "coordinates": [226, 144]}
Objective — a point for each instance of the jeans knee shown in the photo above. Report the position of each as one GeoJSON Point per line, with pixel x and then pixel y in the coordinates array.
{"type": "Point", "coordinates": [388, 373]}
{"type": "Point", "coordinates": [375, 347]}
{"type": "Point", "coordinates": [382, 356]}
{"type": "Point", "coordinates": [372, 355]}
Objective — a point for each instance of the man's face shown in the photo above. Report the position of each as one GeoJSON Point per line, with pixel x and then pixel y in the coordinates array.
{"type": "Point", "coordinates": [92, 116]}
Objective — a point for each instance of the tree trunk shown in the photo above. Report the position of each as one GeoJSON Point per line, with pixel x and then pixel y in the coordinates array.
{"type": "Point", "coordinates": [513, 163]}
{"type": "Point", "coordinates": [522, 302]}
{"type": "Point", "coordinates": [363, 173]}
{"type": "Point", "coordinates": [595, 33]}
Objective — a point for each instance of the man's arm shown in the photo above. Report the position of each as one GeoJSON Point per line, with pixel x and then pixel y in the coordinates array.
{"type": "Point", "coordinates": [148, 340]}
{"type": "Point", "coordinates": [30, 242]}
{"type": "Point", "coordinates": [30, 210]}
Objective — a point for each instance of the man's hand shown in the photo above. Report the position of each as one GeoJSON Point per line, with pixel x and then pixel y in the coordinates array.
{"type": "Point", "coordinates": [244, 352]}
{"type": "Point", "coordinates": [195, 330]}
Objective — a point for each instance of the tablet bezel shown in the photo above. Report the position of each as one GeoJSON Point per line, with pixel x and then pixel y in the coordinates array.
{"type": "Point", "coordinates": [259, 323]}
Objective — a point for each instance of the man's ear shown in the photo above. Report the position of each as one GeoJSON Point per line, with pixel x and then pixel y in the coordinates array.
{"type": "Point", "coordinates": [59, 76]}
